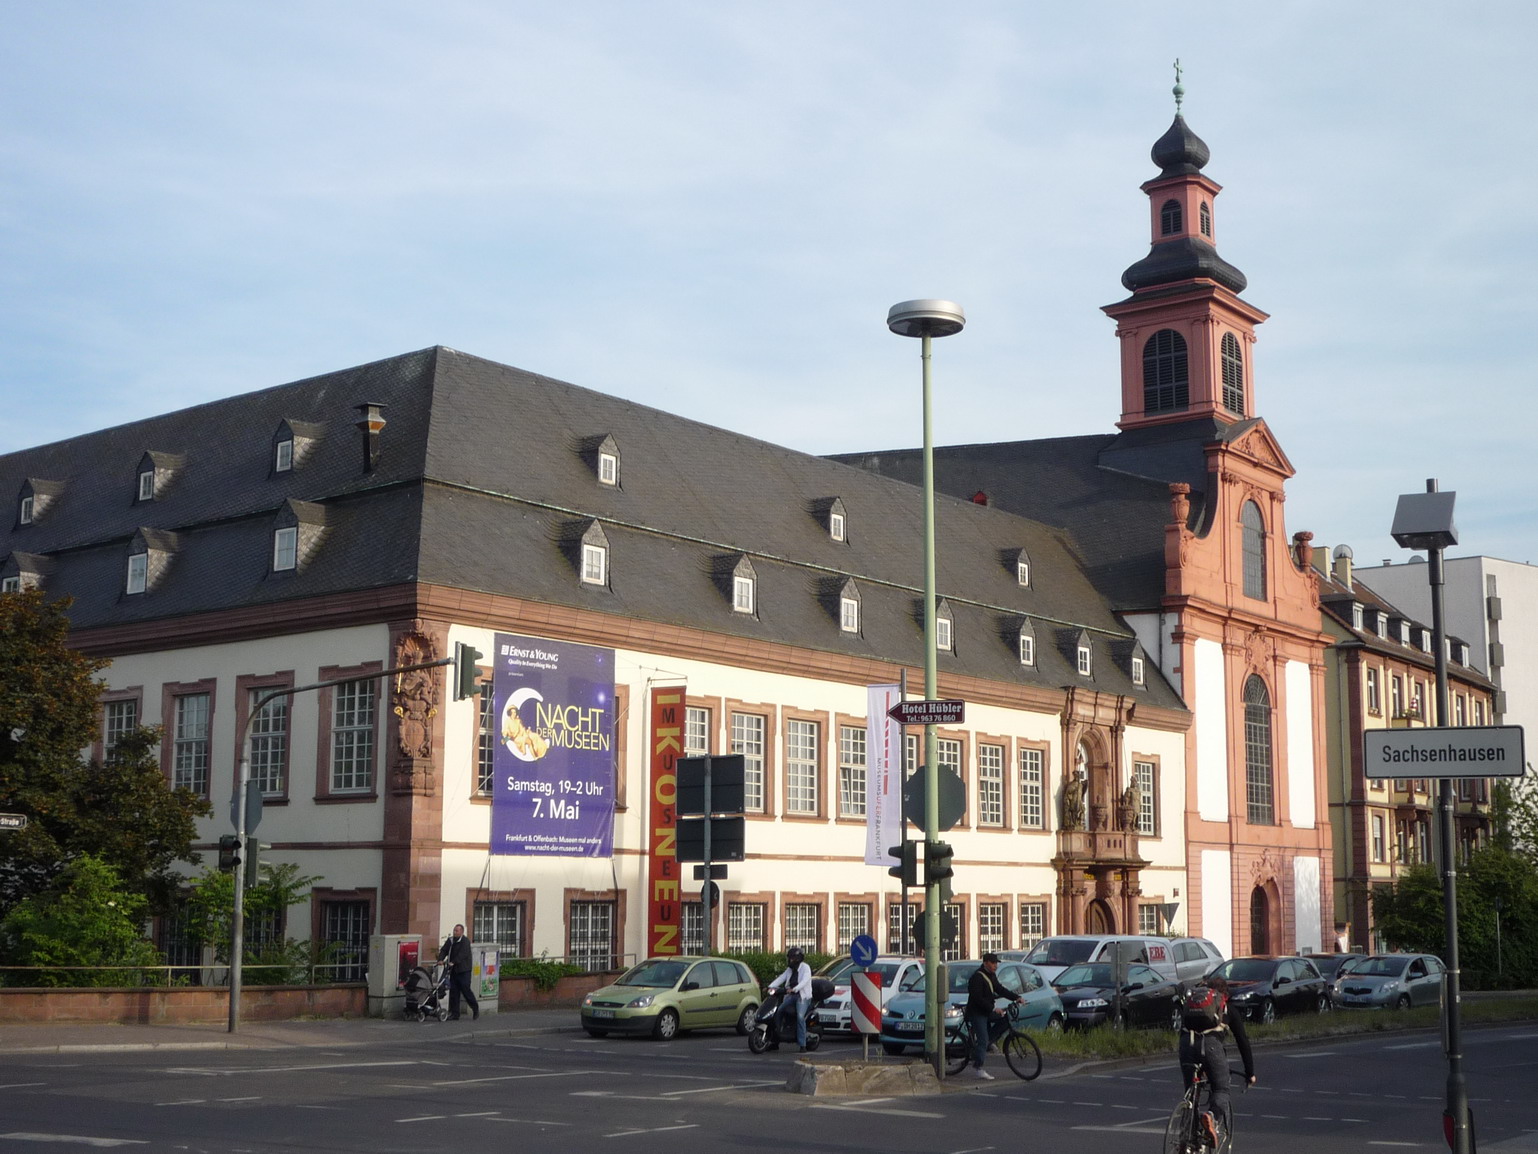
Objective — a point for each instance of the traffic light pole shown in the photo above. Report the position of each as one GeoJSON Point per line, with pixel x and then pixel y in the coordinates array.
{"type": "Point", "coordinates": [242, 782]}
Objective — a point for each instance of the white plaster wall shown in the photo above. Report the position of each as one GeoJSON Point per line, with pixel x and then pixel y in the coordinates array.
{"type": "Point", "coordinates": [1210, 704]}
{"type": "Point", "coordinates": [1307, 920]}
{"type": "Point", "coordinates": [1218, 899]}
{"type": "Point", "coordinates": [1300, 745]}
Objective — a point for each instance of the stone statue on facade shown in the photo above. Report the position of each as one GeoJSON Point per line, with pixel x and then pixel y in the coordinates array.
{"type": "Point", "coordinates": [1073, 804]}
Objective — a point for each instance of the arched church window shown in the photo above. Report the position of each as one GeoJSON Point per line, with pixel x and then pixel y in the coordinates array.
{"type": "Point", "coordinates": [1233, 375]}
{"type": "Point", "coordinates": [1169, 218]}
{"type": "Point", "coordinates": [1259, 787]}
{"type": "Point", "coordinates": [1166, 373]}
{"type": "Point", "coordinates": [1254, 529]}
{"type": "Point", "coordinates": [1206, 220]}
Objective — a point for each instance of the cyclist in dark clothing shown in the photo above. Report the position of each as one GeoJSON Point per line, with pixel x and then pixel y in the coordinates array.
{"type": "Point", "coordinates": [1204, 1047]}
{"type": "Point", "coordinates": [983, 991]}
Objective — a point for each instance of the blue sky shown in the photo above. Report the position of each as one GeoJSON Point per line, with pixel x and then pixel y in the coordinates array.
{"type": "Point", "coordinates": [709, 207]}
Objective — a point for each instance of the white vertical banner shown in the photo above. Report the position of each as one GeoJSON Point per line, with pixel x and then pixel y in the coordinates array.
{"type": "Point", "coordinates": [883, 774]}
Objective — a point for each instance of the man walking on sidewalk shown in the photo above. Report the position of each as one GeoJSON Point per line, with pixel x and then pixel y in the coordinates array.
{"type": "Point", "coordinates": [456, 952]}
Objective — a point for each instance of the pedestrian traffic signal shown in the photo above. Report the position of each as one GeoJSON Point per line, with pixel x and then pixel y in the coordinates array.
{"type": "Point", "coordinates": [229, 852]}
{"type": "Point", "coordinates": [937, 862]}
{"type": "Point", "coordinates": [467, 674]}
{"type": "Point", "coordinates": [907, 869]}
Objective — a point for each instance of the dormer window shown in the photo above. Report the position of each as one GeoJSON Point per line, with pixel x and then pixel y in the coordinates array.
{"type": "Point", "coordinates": [1085, 667]}
{"type": "Point", "coordinates": [1138, 676]}
{"type": "Point", "coordinates": [836, 526]}
{"type": "Point", "coordinates": [283, 456]}
{"type": "Point", "coordinates": [1357, 614]}
{"type": "Point", "coordinates": [24, 514]}
{"type": "Point", "coordinates": [1382, 629]}
{"type": "Point", "coordinates": [849, 607]}
{"type": "Point", "coordinates": [595, 564]}
{"type": "Point", "coordinates": [608, 468]}
{"type": "Point", "coordinates": [1404, 633]}
{"type": "Point", "coordinates": [945, 630]}
{"type": "Point", "coordinates": [742, 593]}
{"type": "Point", "coordinates": [10, 584]}
{"type": "Point", "coordinates": [138, 572]}
{"type": "Point", "coordinates": [146, 484]}
{"type": "Point", "coordinates": [1027, 649]}
{"type": "Point", "coordinates": [601, 454]}
{"type": "Point", "coordinates": [1425, 640]}
{"type": "Point", "coordinates": [285, 549]}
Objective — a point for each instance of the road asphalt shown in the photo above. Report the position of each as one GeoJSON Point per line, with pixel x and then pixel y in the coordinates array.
{"type": "Point", "coordinates": [74, 1037]}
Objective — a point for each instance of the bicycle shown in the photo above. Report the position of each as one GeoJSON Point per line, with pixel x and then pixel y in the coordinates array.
{"type": "Point", "coordinates": [1018, 1047]}
{"type": "Point", "coordinates": [1185, 1133]}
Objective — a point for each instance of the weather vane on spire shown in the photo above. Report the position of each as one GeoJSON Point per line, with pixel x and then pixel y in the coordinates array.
{"type": "Point", "coordinates": [1178, 90]}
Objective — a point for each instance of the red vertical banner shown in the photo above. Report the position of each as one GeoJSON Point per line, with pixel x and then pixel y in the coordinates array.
{"type": "Point", "coordinates": [663, 913]}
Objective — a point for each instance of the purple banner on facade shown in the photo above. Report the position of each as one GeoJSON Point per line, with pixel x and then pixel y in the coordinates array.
{"type": "Point", "coordinates": [553, 719]}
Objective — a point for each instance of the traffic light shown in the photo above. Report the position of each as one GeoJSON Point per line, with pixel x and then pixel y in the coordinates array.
{"type": "Point", "coordinates": [466, 673]}
{"type": "Point", "coordinates": [229, 852]}
{"type": "Point", "coordinates": [907, 869]}
{"type": "Point", "coordinates": [937, 862]}
{"type": "Point", "coordinates": [253, 862]}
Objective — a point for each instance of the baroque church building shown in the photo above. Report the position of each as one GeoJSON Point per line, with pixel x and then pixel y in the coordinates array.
{"type": "Point", "coordinates": [1178, 517]}
{"type": "Point", "coordinates": [1135, 636]}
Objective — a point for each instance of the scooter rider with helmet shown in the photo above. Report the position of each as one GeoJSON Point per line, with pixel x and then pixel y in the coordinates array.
{"type": "Point", "coordinates": [797, 982]}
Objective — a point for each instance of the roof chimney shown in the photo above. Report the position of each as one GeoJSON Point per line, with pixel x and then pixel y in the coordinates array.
{"type": "Point", "coordinates": [370, 422]}
{"type": "Point", "coordinates": [1341, 566]}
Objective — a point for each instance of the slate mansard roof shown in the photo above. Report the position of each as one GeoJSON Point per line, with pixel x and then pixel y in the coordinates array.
{"type": "Point", "coordinates": [486, 480]}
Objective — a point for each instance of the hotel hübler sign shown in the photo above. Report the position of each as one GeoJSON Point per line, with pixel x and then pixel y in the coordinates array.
{"type": "Point", "coordinates": [1460, 751]}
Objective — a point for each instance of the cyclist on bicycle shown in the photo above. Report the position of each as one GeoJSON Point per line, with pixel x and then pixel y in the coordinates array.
{"type": "Point", "coordinates": [1206, 1014]}
{"type": "Point", "coordinates": [987, 1021]}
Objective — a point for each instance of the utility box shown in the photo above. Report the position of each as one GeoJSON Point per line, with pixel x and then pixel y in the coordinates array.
{"type": "Point", "coordinates": [391, 957]}
{"type": "Point", "coordinates": [486, 978]}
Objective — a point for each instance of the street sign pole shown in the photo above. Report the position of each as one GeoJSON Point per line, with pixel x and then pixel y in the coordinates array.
{"type": "Point", "coordinates": [934, 997]}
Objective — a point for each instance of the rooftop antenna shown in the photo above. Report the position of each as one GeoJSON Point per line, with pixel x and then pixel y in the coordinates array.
{"type": "Point", "coordinates": [1178, 90]}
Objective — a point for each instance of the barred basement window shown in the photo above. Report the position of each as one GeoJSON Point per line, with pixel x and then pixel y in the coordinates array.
{"type": "Point", "coordinates": [500, 924]}
{"type": "Point", "coordinates": [900, 938]}
{"type": "Point", "coordinates": [1033, 923]}
{"type": "Point", "coordinates": [992, 917]}
{"type": "Point", "coordinates": [745, 926]}
{"type": "Point", "coordinates": [853, 920]}
{"type": "Point", "coordinates": [590, 935]}
{"type": "Point", "coordinates": [803, 926]}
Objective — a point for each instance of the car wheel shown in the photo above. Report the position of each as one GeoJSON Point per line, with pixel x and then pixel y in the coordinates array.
{"type": "Point", "coordinates": [1324, 1004]}
{"type": "Point", "coordinates": [666, 1028]}
{"type": "Point", "coordinates": [892, 1049]}
{"type": "Point", "coordinates": [1055, 1024]}
{"type": "Point", "coordinates": [592, 1033]}
{"type": "Point", "coordinates": [1268, 1011]}
{"type": "Point", "coordinates": [745, 1020]}
{"type": "Point", "coordinates": [1403, 1003]}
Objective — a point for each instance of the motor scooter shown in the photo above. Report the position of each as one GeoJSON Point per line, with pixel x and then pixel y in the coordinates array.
{"type": "Point", "coordinates": [774, 1023]}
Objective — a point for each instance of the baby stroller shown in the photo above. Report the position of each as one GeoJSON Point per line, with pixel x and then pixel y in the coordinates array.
{"type": "Point", "coordinates": [427, 993]}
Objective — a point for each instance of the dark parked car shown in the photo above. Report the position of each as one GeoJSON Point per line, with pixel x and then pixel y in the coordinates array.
{"type": "Point", "coordinates": [1088, 992]}
{"type": "Point", "coordinates": [1333, 967]}
{"type": "Point", "coordinates": [1394, 981]}
{"type": "Point", "coordinates": [1263, 987]}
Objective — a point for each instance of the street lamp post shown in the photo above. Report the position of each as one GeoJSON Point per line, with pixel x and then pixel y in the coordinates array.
{"type": "Point", "coordinates": [1425, 521]}
{"type": "Point", "coordinates": [927, 319]}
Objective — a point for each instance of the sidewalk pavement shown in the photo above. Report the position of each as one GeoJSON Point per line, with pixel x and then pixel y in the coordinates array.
{"type": "Point", "coordinates": [77, 1037]}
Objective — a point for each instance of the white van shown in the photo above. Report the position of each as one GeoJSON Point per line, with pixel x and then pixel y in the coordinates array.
{"type": "Point", "coordinates": [1055, 954]}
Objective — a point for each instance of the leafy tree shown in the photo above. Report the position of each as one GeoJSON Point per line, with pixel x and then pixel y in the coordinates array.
{"type": "Point", "coordinates": [86, 917]}
{"type": "Point", "coordinates": [123, 812]}
{"type": "Point", "coordinates": [1409, 912]}
{"type": "Point", "coordinates": [273, 958]}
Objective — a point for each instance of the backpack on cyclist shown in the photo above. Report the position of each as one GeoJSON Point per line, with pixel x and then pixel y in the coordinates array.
{"type": "Point", "coordinates": [1204, 1010]}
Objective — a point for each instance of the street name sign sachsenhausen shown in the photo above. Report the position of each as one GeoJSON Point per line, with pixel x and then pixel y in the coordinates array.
{"type": "Point", "coordinates": [1457, 751]}
{"type": "Point", "coordinates": [928, 712]}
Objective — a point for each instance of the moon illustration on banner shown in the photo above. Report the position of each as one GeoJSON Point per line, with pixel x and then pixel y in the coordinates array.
{"type": "Point", "coordinates": [521, 741]}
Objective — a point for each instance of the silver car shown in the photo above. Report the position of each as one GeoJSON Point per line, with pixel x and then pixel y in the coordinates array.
{"type": "Point", "coordinates": [1393, 981]}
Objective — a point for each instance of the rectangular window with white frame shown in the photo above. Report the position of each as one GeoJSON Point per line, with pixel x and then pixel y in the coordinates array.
{"type": "Point", "coordinates": [990, 785]}
{"type": "Point", "coordinates": [1032, 788]}
{"type": "Point", "coordinates": [147, 485]}
{"type": "Point", "coordinates": [189, 747]}
{"type": "Point", "coordinates": [24, 515]}
{"type": "Point", "coordinates": [608, 469]}
{"type": "Point", "coordinates": [595, 565]}
{"type": "Point", "coordinates": [851, 771]}
{"type": "Point", "coordinates": [1378, 846]}
{"type": "Point", "coordinates": [283, 459]}
{"type": "Point", "coordinates": [352, 737]}
{"type": "Point", "coordinates": [1146, 775]}
{"type": "Point", "coordinates": [748, 739]}
{"type": "Point", "coordinates": [1033, 923]}
{"type": "Point", "coordinates": [269, 743]}
{"type": "Point", "coordinates": [285, 549]}
{"type": "Point", "coordinates": [138, 572]}
{"type": "Point", "coordinates": [1148, 919]}
{"type": "Point", "coordinates": [742, 594]}
{"type": "Point", "coordinates": [696, 731]}
{"type": "Point", "coordinates": [1374, 692]}
{"type": "Point", "coordinates": [943, 634]}
{"type": "Point", "coordinates": [849, 615]}
{"type": "Point", "coordinates": [485, 745]}
{"type": "Point", "coordinates": [10, 584]}
{"type": "Point", "coordinates": [745, 926]}
{"type": "Point", "coordinates": [802, 766]}
{"type": "Point", "coordinates": [117, 719]}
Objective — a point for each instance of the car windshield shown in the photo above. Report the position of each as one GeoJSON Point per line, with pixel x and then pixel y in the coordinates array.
{"type": "Point", "coordinates": [836, 970]}
{"type": "Point", "coordinates": [1378, 968]}
{"type": "Point", "coordinates": [1328, 965]}
{"type": "Point", "coordinates": [1096, 975]}
{"type": "Point", "coordinates": [1060, 953]}
{"type": "Point", "coordinates": [887, 970]}
{"type": "Point", "coordinates": [960, 975]}
{"type": "Point", "coordinates": [1246, 970]}
{"type": "Point", "coordinates": [656, 974]}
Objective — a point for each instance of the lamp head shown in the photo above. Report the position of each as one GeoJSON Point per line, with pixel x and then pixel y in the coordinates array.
{"type": "Point", "coordinates": [1425, 521]}
{"type": "Point", "coordinates": [926, 318]}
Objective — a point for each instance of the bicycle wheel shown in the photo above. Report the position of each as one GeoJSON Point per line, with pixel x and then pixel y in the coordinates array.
{"type": "Point", "coordinates": [1023, 1055]}
{"type": "Point", "coordinates": [958, 1049]}
{"type": "Point", "coordinates": [1179, 1135]}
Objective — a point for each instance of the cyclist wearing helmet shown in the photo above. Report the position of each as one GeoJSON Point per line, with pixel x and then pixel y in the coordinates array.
{"type": "Point", "coordinates": [797, 981]}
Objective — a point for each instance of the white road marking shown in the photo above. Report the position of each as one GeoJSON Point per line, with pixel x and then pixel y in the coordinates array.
{"type": "Point", "coordinates": [513, 1077]}
{"type": "Point", "coordinates": [716, 1089]}
{"type": "Point", "coordinates": [25, 1136]}
{"type": "Point", "coordinates": [527, 1121]}
{"type": "Point", "coordinates": [1413, 1046]}
{"type": "Point", "coordinates": [1314, 1054]}
{"type": "Point", "coordinates": [425, 1118]}
{"type": "Point", "coordinates": [854, 1108]}
{"type": "Point", "coordinates": [21, 1085]}
{"type": "Point", "coordinates": [1371, 1143]}
{"type": "Point", "coordinates": [972, 1150]}
{"type": "Point", "coordinates": [653, 1130]}
{"type": "Point", "coordinates": [480, 1114]}
{"type": "Point", "coordinates": [184, 1102]}
{"type": "Point", "coordinates": [247, 1098]}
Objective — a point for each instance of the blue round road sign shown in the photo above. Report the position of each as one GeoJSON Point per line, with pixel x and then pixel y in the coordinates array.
{"type": "Point", "coordinates": [863, 950]}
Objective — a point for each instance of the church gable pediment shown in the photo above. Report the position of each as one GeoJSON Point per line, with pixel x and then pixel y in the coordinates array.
{"type": "Point", "coordinates": [1258, 445]}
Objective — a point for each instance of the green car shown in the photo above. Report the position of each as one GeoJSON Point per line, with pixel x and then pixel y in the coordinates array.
{"type": "Point", "coordinates": [661, 996]}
